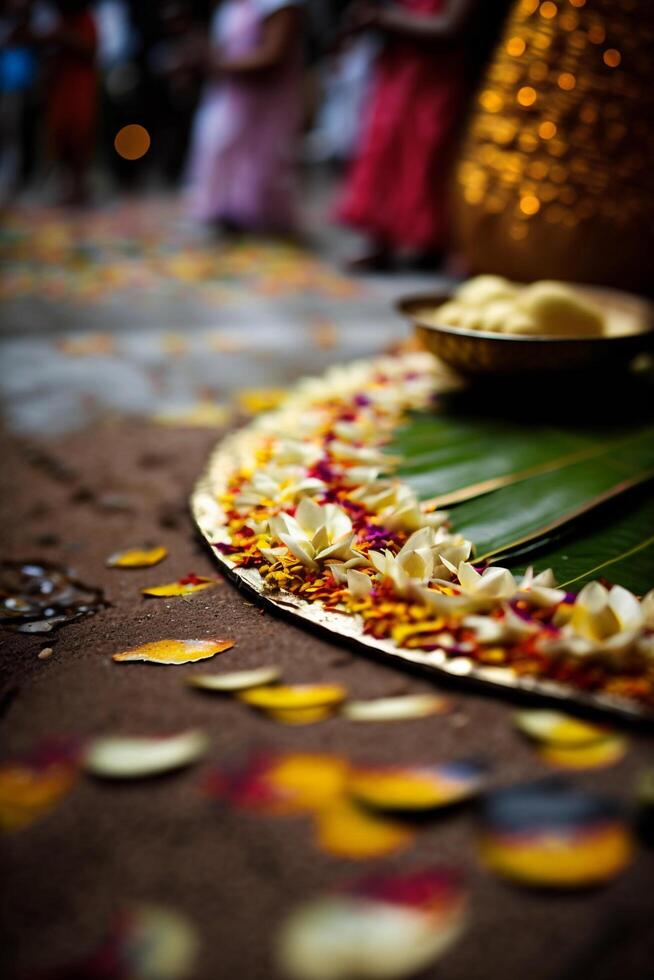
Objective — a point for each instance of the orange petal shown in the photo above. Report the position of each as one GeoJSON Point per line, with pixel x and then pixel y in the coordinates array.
{"type": "Point", "coordinates": [597, 755]}
{"type": "Point", "coordinates": [26, 793]}
{"type": "Point", "coordinates": [348, 831]}
{"type": "Point", "coordinates": [415, 788]}
{"type": "Point", "coordinates": [179, 588]}
{"type": "Point", "coordinates": [292, 697]}
{"type": "Point", "coordinates": [137, 557]}
{"type": "Point", "coordinates": [174, 651]}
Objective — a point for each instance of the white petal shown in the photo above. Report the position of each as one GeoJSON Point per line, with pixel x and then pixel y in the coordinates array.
{"type": "Point", "coordinates": [120, 757]}
{"type": "Point", "coordinates": [358, 583]}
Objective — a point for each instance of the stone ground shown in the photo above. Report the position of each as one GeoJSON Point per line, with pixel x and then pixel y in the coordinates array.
{"type": "Point", "coordinates": [86, 471]}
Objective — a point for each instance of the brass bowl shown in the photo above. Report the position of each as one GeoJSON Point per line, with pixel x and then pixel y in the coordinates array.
{"type": "Point", "coordinates": [476, 352]}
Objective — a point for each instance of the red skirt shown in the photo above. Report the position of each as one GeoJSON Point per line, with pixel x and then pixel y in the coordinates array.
{"type": "Point", "coordinates": [397, 188]}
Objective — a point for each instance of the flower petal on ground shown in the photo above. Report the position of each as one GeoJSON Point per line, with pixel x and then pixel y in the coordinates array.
{"type": "Point", "coordinates": [184, 586]}
{"type": "Point", "coordinates": [399, 708]}
{"type": "Point", "coordinates": [556, 728]}
{"type": "Point", "coordinates": [293, 697]}
{"type": "Point", "coordinates": [236, 680]}
{"type": "Point", "coordinates": [549, 835]}
{"type": "Point", "coordinates": [137, 557]}
{"type": "Point", "coordinates": [123, 757]}
{"type": "Point", "coordinates": [352, 934]}
{"type": "Point", "coordinates": [595, 755]}
{"type": "Point", "coordinates": [174, 651]}
{"type": "Point", "coordinates": [347, 830]}
{"type": "Point", "coordinates": [416, 787]}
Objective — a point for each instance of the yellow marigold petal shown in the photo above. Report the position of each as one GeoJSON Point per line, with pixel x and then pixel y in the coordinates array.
{"type": "Point", "coordinates": [302, 716]}
{"type": "Point", "coordinates": [26, 794]}
{"type": "Point", "coordinates": [255, 400]}
{"type": "Point", "coordinates": [346, 830]}
{"type": "Point", "coordinates": [596, 755]}
{"type": "Point", "coordinates": [308, 781]}
{"type": "Point", "coordinates": [178, 588]}
{"type": "Point", "coordinates": [556, 728]}
{"type": "Point", "coordinates": [174, 651]}
{"type": "Point", "coordinates": [559, 860]}
{"type": "Point", "coordinates": [137, 557]}
{"type": "Point", "coordinates": [293, 697]}
{"type": "Point", "coordinates": [415, 788]}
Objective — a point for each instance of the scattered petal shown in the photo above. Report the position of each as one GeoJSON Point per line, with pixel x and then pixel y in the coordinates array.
{"type": "Point", "coordinates": [595, 755]}
{"type": "Point", "coordinates": [366, 936]}
{"type": "Point", "coordinates": [346, 830]}
{"type": "Point", "coordinates": [174, 651]}
{"type": "Point", "coordinates": [184, 586]}
{"type": "Point", "coordinates": [255, 400]}
{"type": "Point", "coordinates": [302, 716]}
{"type": "Point", "coordinates": [204, 414]}
{"type": "Point", "coordinates": [556, 728]}
{"type": "Point", "coordinates": [30, 787]}
{"type": "Point", "coordinates": [236, 680]}
{"type": "Point", "coordinates": [122, 757]}
{"type": "Point", "coordinates": [549, 835]}
{"type": "Point", "coordinates": [137, 557]}
{"type": "Point", "coordinates": [399, 708]}
{"type": "Point", "coordinates": [294, 697]}
{"type": "Point", "coordinates": [416, 787]}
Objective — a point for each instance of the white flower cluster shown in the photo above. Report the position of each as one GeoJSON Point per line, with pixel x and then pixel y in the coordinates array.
{"type": "Point", "coordinates": [432, 567]}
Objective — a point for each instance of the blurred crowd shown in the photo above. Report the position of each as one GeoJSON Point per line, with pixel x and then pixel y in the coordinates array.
{"type": "Point", "coordinates": [233, 98]}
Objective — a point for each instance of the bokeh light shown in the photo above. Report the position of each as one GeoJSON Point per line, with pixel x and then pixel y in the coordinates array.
{"type": "Point", "coordinates": [132, 142]}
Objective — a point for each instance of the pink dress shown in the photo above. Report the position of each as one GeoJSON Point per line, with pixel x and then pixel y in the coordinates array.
{"type": "Point", "coordinates": [243, 146]}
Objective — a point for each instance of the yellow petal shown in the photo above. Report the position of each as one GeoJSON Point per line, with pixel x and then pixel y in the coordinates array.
{"type": "Point", "coordinates": [559, 860]}
{"type": "Point", "coordinates": [556, 728]}
{"type": "Point", "coordinates": [399, 708]}
{"type": "Point", "coordinates": [235, 680]}
{"type": "Point", "coordinates": [177, 588]}
{"type": "Point", "coordinates": [302, 716]}
{"type": "Point", "coordinates": [346, 830]}
{"type": "Point", "coordinates": [137, 557]}
{"type": "Point", "coordinates": [415, 788]}
{"type": "Point", "coordinates": [255, 400]}
{"type": "Point", "coordinates": [295, 696]}
{"type": "Point", "coordinates": [26, 794]}
{"type": "Point", "coordinates": [596, 755]}
{"type": "Point", "coordinates": [308, 781]}
{"type": "Point", "coordinates": [174, 651]}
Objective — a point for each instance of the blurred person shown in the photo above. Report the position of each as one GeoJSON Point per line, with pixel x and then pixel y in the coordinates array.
{"type": "Point", "coordinates": [177, 77]}
{"type": "Point", "coordinates": [71, 94]}
{"type": "Point", "coordinates": [241, 168]}
{"type": "Point", "coordinates": [18, 70]}
{"type": "Point", "coordinates": [397, 188]}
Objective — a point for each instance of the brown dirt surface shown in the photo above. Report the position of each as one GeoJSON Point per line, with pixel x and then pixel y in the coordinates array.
{"type": "Point", "coordinates": [75, 501]}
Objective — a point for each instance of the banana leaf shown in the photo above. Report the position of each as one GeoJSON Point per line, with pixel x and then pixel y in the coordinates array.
{"type": "Point", "coordinates": [617, 545]}
{"type": "Point", "coordinates": [513, 485]}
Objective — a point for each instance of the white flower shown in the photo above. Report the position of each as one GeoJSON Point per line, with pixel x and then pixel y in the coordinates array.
{"type": "Point", "coordinates": [279, 484]}
{"type": "Point", "coordinates": [346, 452]}
{"type": "Point", "coordinates": [294, 451]}
{"type": "Point", "coordinates": [315, 533]}
{"type": "Point", "coordinates": [358, 583]}
{"type": "Point", "coordinates": [474, 591]}
{"type": "Point", "coordinates": [396, 505]}
{"type": "Point", "coordinates": [510, 629]}
{"type": "Point", "coordinates": [540, 590]}
{"type": "Point", "coordinates": [600, 621]}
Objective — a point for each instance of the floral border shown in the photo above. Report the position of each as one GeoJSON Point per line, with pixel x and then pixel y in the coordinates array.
{"type": "Point", "coordinates": [301, 507]}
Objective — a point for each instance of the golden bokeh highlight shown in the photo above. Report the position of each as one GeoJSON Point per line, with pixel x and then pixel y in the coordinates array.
{"type": "Point", "coordinates": [515, 46]}
{"type": "Point", "coordinates": [547, 130]}
{"type": "Point", "coordinates": [132, 142]}
{"type": "Point", "coordinates": [529, 204]}
{"type": "Point", "coordinates": [567, 81]}
{"type": "Point", "coordinates": [611, 57]}
{"type": "Point", "coordinates": [577, 3]}
{"type": "Point", "coordinates": [548, 10]}
{"type": "Point", "coordinates": [597, 34]}
{"type": "Point", "coordinates": [526, 95]}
